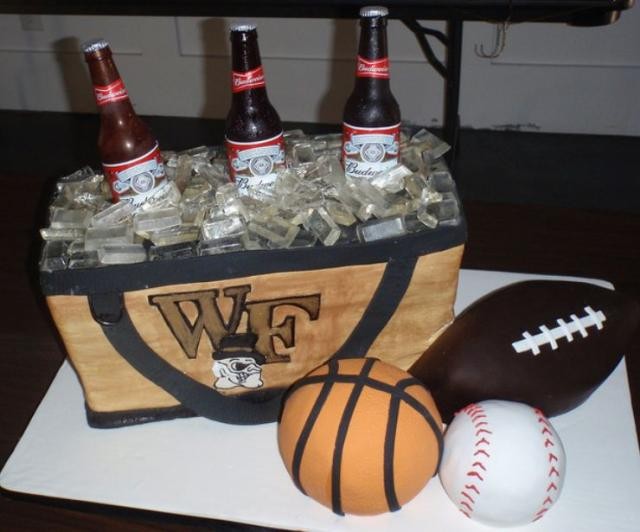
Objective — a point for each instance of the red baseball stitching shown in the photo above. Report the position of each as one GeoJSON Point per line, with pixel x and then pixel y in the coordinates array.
{"type": "Point", "coordinates": [472, 487]}
{"type": "Point", "coordinates": [478, 418]}
{"type": "Point", "coordinates": [465, 494]}
{"type": "Point", "coordinates": [552, 487]}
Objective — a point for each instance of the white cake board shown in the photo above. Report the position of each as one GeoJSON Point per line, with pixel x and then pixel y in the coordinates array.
{"type": "Point", "coordinates": [202, 468]}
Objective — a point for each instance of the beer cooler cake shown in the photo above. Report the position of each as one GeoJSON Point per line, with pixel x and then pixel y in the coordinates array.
{"type": "Point", "coordinates": [224, 335]}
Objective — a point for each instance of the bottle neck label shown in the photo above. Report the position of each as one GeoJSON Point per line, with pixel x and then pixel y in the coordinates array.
{"type": "Point", "coordinates": [114, 92]}
{"type": "Point", "coordinates": [367, 151]}
{"type": "Point", "coordinates": [243, 81]}
{"type": "Point", "coordinates": [255, 164]}
{"type": "Point", "coordinates": [135, 180]}
{"type": "Point", "coordinates": [373, 68]}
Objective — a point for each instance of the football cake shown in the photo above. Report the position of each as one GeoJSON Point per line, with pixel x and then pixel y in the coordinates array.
{"type": "Point", "coordinates": [548, 344]}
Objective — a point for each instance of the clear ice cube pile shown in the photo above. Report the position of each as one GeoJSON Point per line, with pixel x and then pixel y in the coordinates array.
{"type": "Point", "coordinates": [198, 211]}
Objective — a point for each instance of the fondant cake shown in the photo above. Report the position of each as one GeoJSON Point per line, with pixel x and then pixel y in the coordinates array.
{"type": "Point", "coordinates": [170, 329]}
{"type": "Point", "coordinates": [211, 302]}
{"type": "Point", "coordinates": [548, 344]}
{"type": "Point", "coordinates": [503, 463]}
{"type": "Point", "coordinates": [360, 436]}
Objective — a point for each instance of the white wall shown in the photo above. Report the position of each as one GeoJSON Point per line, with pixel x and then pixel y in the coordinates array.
{"type": "Point", "coordinates": [549, 78]}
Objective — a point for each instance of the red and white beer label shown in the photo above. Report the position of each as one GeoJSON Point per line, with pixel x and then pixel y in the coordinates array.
{"type": "Point", "coordinates": [114, 92]}
{"type": "Point", "coordinates": [135, 180]}
{"type": "Point", "coordinates": [243, 81]}
{"type": "Point", "coordinates": [255, 164]}
{"type": "Point", "coordinates": [373, 68]}
{"type": "Point", "coordinates": [367, 151]}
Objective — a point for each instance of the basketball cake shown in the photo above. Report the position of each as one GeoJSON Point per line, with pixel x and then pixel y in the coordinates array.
{"type": "Point", "coordinates": [360, 436]}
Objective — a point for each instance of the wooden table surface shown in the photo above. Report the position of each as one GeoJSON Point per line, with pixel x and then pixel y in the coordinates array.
{"type": "Point", "coordinates": [520, 238]}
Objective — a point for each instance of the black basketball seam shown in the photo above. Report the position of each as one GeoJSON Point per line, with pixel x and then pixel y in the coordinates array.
{"type": "Point", "coordinates": [389, 451]}
{"type": "Point", "coordinates": [301, 444]}
{"type": "Point", "coordinates": [392, 389]}
{"type": "Point", "coordinates": [341, 436]}
{"type": "Point", "coordinates": [397, 393]}
{"type": "Point", "coordinates": [437, 431]}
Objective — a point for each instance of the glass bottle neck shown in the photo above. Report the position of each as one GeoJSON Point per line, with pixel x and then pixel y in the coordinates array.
{"type": "Point", "coordinates": [245, 54]}
{"type": "Point", "coordinates": [110, 92]}
{"type": "Point", "coordinates": [373, 38]}
{"type": "Point", "coordinates": [247, 76]}
{"type": "Point", "coordinates": [372, 47]}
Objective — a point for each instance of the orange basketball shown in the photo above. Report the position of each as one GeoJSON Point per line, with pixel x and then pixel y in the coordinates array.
{"type": "Point", "coordinates": [360, 436]}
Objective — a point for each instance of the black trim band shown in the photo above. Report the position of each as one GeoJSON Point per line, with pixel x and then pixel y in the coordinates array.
{"type": "Point", "coordinates": [124, 418]}
{"type": "Point", "coordinates": [129, 277]}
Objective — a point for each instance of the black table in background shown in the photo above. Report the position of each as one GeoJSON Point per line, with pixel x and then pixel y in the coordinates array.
{"type": "Point", "coordinates": [410, 12]}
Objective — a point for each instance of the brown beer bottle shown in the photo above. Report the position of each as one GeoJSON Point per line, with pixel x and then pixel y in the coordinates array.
{"type": "Point", "coordinates": [253, 131]}
{"type": "Point", "coordinates": [129, 152]}
{"type": "Point", "coordinates": [371, 120]}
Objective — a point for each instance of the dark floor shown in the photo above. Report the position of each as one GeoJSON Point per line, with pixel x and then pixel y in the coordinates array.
{"type": "Point", "coordinates": [580, 171]}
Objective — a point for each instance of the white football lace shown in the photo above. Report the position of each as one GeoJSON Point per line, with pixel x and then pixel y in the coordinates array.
{"type": "Point", "coordinates": [546, 336]}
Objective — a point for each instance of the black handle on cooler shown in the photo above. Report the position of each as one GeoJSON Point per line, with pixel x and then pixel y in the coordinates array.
{"type": "Point", "coordinates": [110, 312]}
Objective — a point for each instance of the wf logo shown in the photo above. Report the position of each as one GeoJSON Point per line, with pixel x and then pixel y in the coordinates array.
{"type": "Point", "coordinates": [238, 356]}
